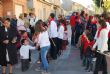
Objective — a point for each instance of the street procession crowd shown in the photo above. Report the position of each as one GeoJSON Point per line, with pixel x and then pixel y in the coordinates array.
{"type": "Point", "coordinates": [18, 37]}
{"type": "Point", "coordinates": [91, 34]}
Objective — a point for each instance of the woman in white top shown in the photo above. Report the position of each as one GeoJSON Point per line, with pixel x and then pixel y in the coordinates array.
{"type": "Point", "coordinates": [44, 43]}
{"type": "Point", "coordinates": [101, 43]}
{"type": "Point", "coordinates": [60, 36]}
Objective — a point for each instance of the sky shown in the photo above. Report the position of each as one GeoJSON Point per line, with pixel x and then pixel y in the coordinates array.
{"type": "Point", "coordinates": [86, 3]}
{"type": "Point", "coordinates": [61, 1]}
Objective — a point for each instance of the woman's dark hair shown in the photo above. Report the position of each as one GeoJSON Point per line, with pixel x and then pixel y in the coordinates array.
{"type": "Point", "coordinates": [30, 14]}
{"type": "Point", "coordinates": [45, 24]}
{"type": "Point", "coordinates": [25, 14]}
{"type": "Point", "coordinates": [82, 13]}
{"type": "Point", "coordinates": [52, 15]}
{"type": "Point", "coordinates": [90, 19]}
{"type": "Point", "coordinates": [97, 16]}
{"type": "Point", "coordinates": [105, 16]}
{"type": "Point", "coordinates": [62, 21]}
{"type": "Point", "coordinates": [22, 41]}
{"type": "Point", "coordinates": [77, 13]}
{"type": "Point", "coordinates": [38, 25]}
{"type": "Point", "coordinates": [102, 23]}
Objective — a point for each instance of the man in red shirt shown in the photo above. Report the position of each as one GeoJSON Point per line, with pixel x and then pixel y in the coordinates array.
{"type": "Point", "coordinates": [72, 23]}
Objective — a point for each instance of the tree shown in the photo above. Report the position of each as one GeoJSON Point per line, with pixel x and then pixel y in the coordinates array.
{"type": "Point", "coordinates": [98, 2]}
{"type": "Point", "coordinates": [106, 4]}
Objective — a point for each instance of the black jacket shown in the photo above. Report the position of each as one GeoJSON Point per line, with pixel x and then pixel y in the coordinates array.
{"type": "Point", "coordinates": [11, 48]}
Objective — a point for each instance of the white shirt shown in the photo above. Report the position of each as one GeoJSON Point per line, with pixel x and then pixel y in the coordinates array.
{"type": "Point", "coordinates": [61, 32]}
{"type": "Point", "coordinates": [20, 24]}
{"type": "Point", "coordinates": [108, 26]}
{"type": "Point", "coordinates": [43, 39]}
{"type": "Point", "coordinates": [53, 30]}
{"type": "Point", "coordinates": [65, 36]}
{"type": "Point", "coordinates": [101, 42]}
{"type": "Point", "coordinates": [24, 51]}
{"type": "Point", "coordinates": [96, 35]}
{"type": "Point", "coordinates": [33, 21]}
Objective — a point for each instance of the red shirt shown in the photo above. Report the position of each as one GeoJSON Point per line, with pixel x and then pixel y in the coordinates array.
{"type": "Point", "coordinates": [86, 43]}
{"type": "Point", "coordinates": [72, 20]}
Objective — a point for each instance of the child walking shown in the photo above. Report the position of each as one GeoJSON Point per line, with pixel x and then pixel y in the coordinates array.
{"type": "Point", "coordinates": [24, 53]}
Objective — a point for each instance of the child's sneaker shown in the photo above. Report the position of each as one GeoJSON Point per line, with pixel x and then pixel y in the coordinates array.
{"type": "Point", "coordinates": [38, 62]}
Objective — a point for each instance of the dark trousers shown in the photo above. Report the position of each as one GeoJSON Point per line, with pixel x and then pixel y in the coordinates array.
{"type": "Point", "coordinates": [89, 63]}
{"type": "Point", "coordinates": [109, 44]}
{"type": "Point", "coordinates": [53, 49]}
{"type": "Point", "coordinates": [24, 64]}
{"type": "Point", "coordinates": [77, 35]}
{"type": "Point", "coordinates": [29, 55]}
{"type": "Point", "coordinates": [101, 64]}
{"type": "Point", "coordinates": [32, 29]}
{"type": "Point", "coordinates": [72, 36]}
{"type": "Point", "coordinates": [59, 46]}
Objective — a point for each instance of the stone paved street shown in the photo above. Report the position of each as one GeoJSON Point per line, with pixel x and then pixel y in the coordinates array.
{"type": "Point", "coordinates": [68, 63]}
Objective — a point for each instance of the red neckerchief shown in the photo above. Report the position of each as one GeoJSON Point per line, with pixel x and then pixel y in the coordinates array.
{"type": "Point", "coordinates": [94, 22]}
{"type": "Point", "coordinates": [50, 21]}
{"type": "Point", "coordinates": [101, 28]}
{"type": "Point", "coordinates": [64, 27]}
{"type": "Point", "coordinates": [109, 34]}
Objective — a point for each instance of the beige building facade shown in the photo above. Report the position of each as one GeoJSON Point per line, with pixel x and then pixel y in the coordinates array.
{"type": "Point", "coordinates": [42, 8]}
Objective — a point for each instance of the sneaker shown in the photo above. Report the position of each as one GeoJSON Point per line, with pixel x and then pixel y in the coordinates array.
{"type": "Point", "coordinates": [38, 69]}
{"type": "Point", "coordinates": [38, 62]}
{"type": "Point", "coordinates": [45, 72]}
{"type": "Point", "coordinates": [89, 71]}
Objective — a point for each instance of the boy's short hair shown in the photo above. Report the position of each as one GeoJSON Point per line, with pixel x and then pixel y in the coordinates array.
{"type": "Point", "coordinates": [22, 32]}
{"type": "Point", "coordinates": [52, 15]}
{"type": "Point", "coordinates": [22, 41]}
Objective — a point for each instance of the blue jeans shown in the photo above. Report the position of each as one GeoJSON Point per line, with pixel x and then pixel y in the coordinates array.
{"type": "Point", "coordinates": [44, 51]}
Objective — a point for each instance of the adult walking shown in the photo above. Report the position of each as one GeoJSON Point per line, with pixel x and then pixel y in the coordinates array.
{"type": "Point", "coordinates": [8, 50]}
{"type": "Point", "coordinates": [101, 43]}
{"type": "Point", "coordinates": [44, 43]}
{"type": "Point", "coordinates": [83, 21]}
{"type": "Point", "coordinates": [53, 35]}
{"type": "Point", "coordinates": [33, 19]}
{"type": "Point", "coordinates": [72, 23]}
